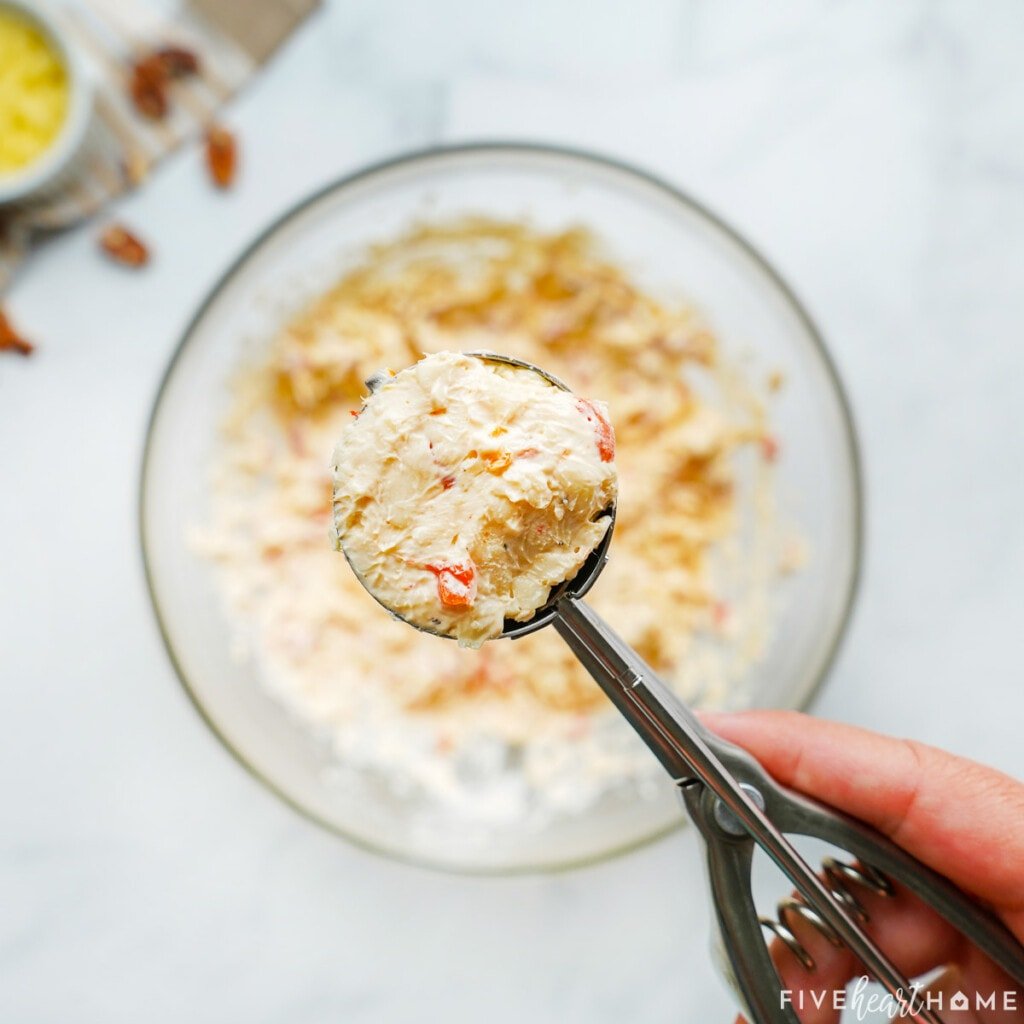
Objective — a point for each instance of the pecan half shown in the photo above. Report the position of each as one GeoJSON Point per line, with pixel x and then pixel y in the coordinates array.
{"type": "Point", "coordinates": [11, 340]}
{"type": "Point", "coordinates": [123, 247]}
{"type": "Point", "coordinates": [221, 155]}
{"type": "Point", "coordinates": [148, 87]}
{"type": "Point", "coordinates": [177, 61]}
{"type": "Point", "coordinates": [151, 75]}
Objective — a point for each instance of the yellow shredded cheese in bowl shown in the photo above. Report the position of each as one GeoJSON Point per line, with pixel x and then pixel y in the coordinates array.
{"type": "Point", "coordinates": [34, 92]}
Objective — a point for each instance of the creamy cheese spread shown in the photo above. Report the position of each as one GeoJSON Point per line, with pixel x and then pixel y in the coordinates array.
{"type": "Point", "coordinates": [467, 488]}
{"type": "Point", "coordinates": [513, 732]}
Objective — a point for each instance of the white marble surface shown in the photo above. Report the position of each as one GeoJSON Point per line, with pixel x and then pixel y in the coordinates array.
{"type": "Point", "coordinates": [874, 151]}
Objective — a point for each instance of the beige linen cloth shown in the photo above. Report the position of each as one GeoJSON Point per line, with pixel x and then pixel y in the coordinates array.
{"type": "Point", "coordinates": [232, 38]}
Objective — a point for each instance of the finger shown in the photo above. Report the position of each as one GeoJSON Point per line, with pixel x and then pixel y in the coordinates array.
{"type": "Point", "coordinates": [942, 990]}
{"type": "Point", "coordinates": [974, 992]}
{"type": "Point", "coordinates": [981, 975]}
{"type": "Point", "coordinates": [914, 937]}
{"type": "Point", "coordinates": [964, 820]}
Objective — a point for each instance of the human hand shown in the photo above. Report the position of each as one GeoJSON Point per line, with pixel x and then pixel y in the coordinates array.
{"type": "Point", "coordinates": [962, 819]}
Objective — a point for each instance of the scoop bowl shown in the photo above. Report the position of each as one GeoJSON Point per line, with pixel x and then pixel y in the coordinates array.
{"type": "Point", "coordinates": [576, 586]}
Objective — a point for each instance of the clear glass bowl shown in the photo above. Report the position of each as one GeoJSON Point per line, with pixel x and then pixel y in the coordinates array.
{"type": "Point", "coordinates": [671, 245]}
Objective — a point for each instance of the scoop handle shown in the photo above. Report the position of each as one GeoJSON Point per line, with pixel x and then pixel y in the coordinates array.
{"type": "Point", "coordinates": [726, 790]}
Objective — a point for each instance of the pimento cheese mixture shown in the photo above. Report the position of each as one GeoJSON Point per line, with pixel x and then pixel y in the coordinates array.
{"type": "Point", "coordinates": [452, 724]}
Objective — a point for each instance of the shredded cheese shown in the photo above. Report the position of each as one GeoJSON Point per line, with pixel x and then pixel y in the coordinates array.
{"type": "Point", "coordinates": [33, 93]}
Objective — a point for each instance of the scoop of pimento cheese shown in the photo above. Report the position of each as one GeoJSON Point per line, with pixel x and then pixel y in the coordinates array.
{"type": "Point", "coordinates": [465, 489]}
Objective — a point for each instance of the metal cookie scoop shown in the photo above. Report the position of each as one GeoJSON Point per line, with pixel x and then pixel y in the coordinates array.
{"type": "Point", "coordinates": [737, 805]}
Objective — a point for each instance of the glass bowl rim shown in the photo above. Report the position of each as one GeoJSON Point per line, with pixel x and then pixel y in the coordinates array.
{"type": "Point", "coordinates": [572, 155]}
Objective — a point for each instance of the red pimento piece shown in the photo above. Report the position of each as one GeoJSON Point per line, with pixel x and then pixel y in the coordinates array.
{"type": "Point", "coordinates": [769, 448]}
{"type": "Point", "coordinates": [447, 482]}
{"type": "Point", "coordinates": [456, 584]}
{"type": "Point", "coordinates": [604, 436]}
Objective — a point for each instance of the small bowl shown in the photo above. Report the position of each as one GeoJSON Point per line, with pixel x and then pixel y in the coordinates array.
{"type": "Point", "coordinates": [58, 164]}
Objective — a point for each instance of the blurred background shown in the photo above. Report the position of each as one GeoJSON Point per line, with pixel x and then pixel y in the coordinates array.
{"type": "Point", "coordinates": [873, 151]}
